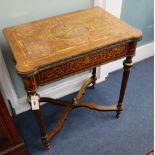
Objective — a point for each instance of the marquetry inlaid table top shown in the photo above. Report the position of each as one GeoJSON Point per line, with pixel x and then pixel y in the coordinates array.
{"type": "Point", "coordinates": [55, 39]}
{"type": "Point", "coordinates": [57, 47]}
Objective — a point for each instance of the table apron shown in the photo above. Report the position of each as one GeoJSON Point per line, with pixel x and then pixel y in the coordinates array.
{"type": "Point", "coordinates": [78, 65]}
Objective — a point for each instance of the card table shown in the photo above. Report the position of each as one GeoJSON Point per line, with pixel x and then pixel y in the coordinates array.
{"type": "Point", "coordinates": [54, 48]}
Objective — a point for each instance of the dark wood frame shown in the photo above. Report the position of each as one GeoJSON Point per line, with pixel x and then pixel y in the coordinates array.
{"type": "Point", "coordinates": [13, 144]}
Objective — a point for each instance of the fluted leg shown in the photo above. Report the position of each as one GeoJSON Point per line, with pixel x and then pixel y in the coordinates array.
{"type": "Point", "coordinates": [94, 77]}
{"type": "Point", "coordinates": [127, 67]}
{"type": "Point", "coordinates": [41, 125]}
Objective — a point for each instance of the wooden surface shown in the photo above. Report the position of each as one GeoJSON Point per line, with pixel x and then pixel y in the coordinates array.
{"type": "Point", "coordinates": [53, 40]}
{"type": "Point", "coordinates": [57, 47]}
{"type": "Point", "coordinates": [11, 142]}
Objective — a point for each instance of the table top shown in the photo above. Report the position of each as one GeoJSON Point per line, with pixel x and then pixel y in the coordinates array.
{"type": "Point", "coordinates": [56, 39]}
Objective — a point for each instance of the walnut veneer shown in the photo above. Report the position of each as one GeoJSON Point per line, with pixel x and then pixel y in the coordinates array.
{"type": "Point", "coordinates": [56, 47]}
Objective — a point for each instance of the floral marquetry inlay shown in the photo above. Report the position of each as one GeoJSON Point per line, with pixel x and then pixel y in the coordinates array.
{"type": "Point", "coordinates": [57, 47]}
{"type": "Point", "coordinates": [69, 31]}
{"type": "Point", "coordinates": [43, 42]}
{"type": "Point", "coordinates": [102, 56]}
{"type": "Point", "coordinates": [74, 66]}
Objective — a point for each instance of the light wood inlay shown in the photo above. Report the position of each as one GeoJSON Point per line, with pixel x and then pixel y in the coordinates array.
{"type": "Point", "coordinates": [39, 43]}
{"type": "Point", "coordinates": [56, 47]}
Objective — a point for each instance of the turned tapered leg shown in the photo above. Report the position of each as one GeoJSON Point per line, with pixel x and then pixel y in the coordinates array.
{"type": "Point", "coordinates": [94, 77]}
{"type": "Point", "coordinates": [127, 67]}
{"type": "Point", "coordinates": [41, 125]}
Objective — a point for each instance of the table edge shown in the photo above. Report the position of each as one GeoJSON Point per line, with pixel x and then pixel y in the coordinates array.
{"type": "Point", "coordinates": [40, 68]}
